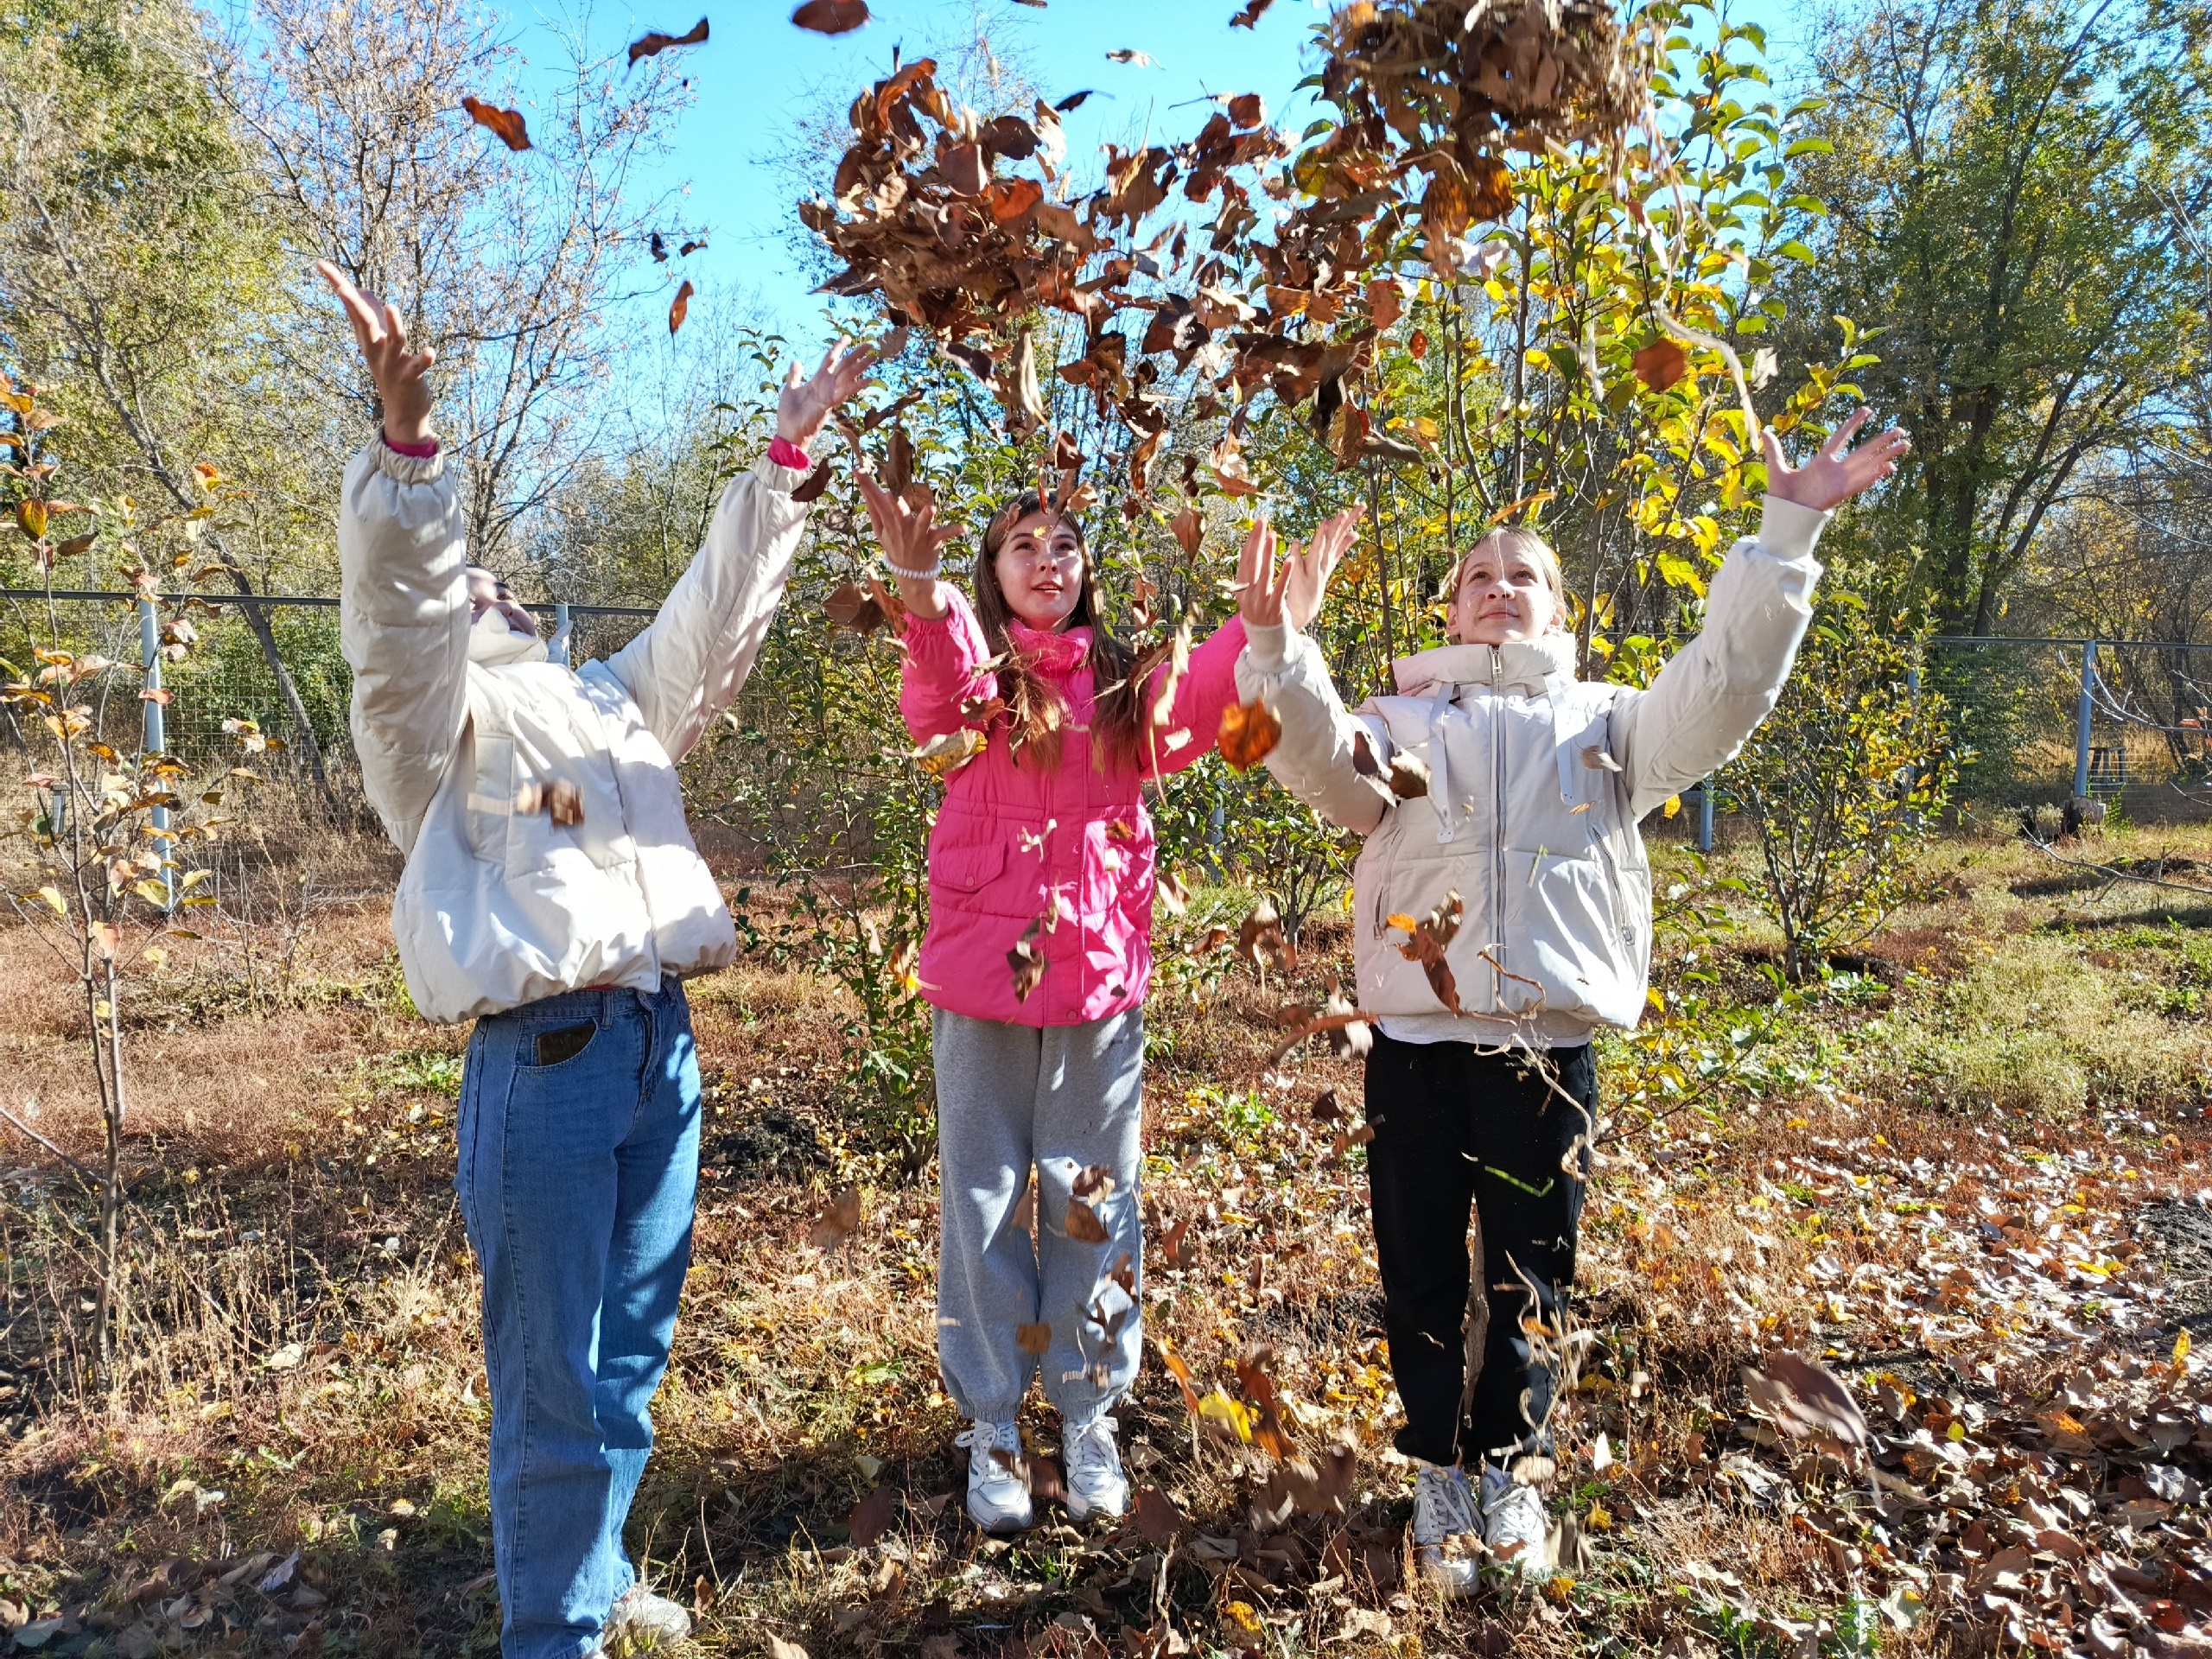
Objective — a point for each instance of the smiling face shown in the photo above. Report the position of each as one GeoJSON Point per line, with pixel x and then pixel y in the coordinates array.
{"type": "Point", "coordinates": [487, 592]}
{"type": "Point", "coordinates": [1039, 569]}
{"type": "Point", "coordinates": [1508, 589]}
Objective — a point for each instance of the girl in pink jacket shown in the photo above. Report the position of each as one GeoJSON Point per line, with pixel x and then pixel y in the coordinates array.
{"type": "Point", "coordinates": [1036, 962]}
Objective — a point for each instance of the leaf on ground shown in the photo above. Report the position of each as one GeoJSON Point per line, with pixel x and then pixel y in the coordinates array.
{"type": "Point", "coordinates": [779, 1649]}
{"type": "Point", "coordinates": [838, 1223]}
{"type": "Point", "coordinates": [1157, 1518]}
{"type": "Point", "coordinates": [1804, 1400]}
{"type": "Point", "coordinates": [871, 1516]}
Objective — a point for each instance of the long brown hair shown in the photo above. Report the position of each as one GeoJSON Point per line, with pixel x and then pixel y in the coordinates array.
{"type": "Point", "coordinates": [1036, 707]}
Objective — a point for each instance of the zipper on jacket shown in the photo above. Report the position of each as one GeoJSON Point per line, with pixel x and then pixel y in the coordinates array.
{"type": "Point", "coordinates": [1497, 836]}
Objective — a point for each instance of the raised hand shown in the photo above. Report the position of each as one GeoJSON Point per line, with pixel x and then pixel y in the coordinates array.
{"type": "Point", "coordinates": [1837, 473]}
{"type": "Point", "coordinates": [399, 373]}
{"type": "Point", "coordinates": [912, 539]}
{"type": "Point", "coordinates": [805, 404]}
{"type": "Point", "coordinates": [1312, 567]}
{"type": "Point", "coordinates": [1260, 585]}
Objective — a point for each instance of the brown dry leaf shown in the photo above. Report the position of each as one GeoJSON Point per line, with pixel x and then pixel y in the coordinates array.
{"type": "Point", "coordinates": [703, 1595]}
{"type": "Point", "coordinates": [1409, 776]}
{"type": "Point", "coordinates": [1249, 733]}
{"type": "Point", "coordinates": [850, 605]}
{"type": "Point", "coordinates": [1173, 893]}
{"type": "Point", "coordinates": [838, 1223]}
{"type": "Point", "coordinates": [1431, 934]}
{"type": "Point", "coordinates": [1251, 14]}
{"type": "Point", "coordinates": [1325, 1109]}
{"type": "Point", "coordinates": [653, 42]}
{"type": "Point", "coordinates": [1156, 1516]}
{"type": "Point", "coordinates": [1660, 363]}
{"type": "Point", "coordinates": [1386, 301]}
{"type": "Point", "coordinates": [1261, 940]}
{"type": "Point", "coordinates": [831, 17]}
{"type": "Point", "coordinates": [1804, 1400]}
{"type": "Point", "coordinates": [1026, 959]}
{"type": "Point", "coordinates": [811, 487]}
{"type": "Point", "coordinates": [1213, 939]}
{"type": "Point", "coordinates": [1190, 530]}
{"type": "Point", "coordinates": [779, 1649]}
{"type": "Point", "coordinates": [1181, 1373]}
{"type": "Point", "coordinates": [1267, 1431]}
{"type": "Point", "coordinates": [1083, 1225]}
{"type": "Point", "coordinates": [1024, 1219]}
{"type": "Point", "coordinates": [564, 802]}
{"type": "Point", "coordinates": [680, 307]}
{"type": "Point", "coordinates": [1417, 344]}
{"type": "Point", "coordinates": [1227, 461]}
{"type": "Point", "coordinates": [1247, 110]}
{"type": "Point", "coordinates": [871, 1516]}
{"type": "Point", "coordinates": [1032, 1339]}
{"type": "Point", "coordinates": [506, 124]}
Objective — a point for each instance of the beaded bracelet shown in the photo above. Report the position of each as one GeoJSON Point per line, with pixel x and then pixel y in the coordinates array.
{"type": "Point", "coordinates": [932, 574]}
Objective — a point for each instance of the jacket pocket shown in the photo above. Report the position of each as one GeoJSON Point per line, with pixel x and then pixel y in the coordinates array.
{"type": "Point", "coordinates": [1577, 947]}
{"type": "Point", "coordinates": [967, 869]}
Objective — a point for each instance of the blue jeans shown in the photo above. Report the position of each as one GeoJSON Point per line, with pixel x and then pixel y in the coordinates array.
{"type": "Point", "coordinates": [576, 1177]}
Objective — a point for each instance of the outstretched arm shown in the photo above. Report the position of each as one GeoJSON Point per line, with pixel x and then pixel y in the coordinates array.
{"type": "Point", "coordinates": [689, 662]}
{"type": "Point", "coordinates": [1712, 694]}
{"type": "Point", "coordinates": [404, 591]}
{"type": "Point", "coordinates": [1284, 669]}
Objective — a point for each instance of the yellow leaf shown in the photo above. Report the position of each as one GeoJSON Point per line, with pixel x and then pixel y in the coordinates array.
{"type": "Point", "coordinates": [152, 891]}
{"type": "Point", "coordinates": [1674, 805]}
{"type": "Point", "coordinates": [2181, 1349]}
{"type": "Point", "coordinates": [1229, 1413]}
{"type": "Point", "coordinates": [1600, 1520]}
{"type": "Point", "coordinates": [54, 898]}
{"type": "Point", "coordinates": [1402, 922]}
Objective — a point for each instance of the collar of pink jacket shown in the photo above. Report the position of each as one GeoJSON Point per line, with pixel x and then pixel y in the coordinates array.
{"type": "Point", "coordinates": [1054, 653]}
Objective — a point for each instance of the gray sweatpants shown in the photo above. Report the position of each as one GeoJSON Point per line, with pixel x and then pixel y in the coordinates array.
{"type": "Point", "coordinates": [1064, 1098]}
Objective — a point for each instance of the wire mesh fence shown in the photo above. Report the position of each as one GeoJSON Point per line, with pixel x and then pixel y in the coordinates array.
{"type": "Point", "coordinates": [2045, 719]}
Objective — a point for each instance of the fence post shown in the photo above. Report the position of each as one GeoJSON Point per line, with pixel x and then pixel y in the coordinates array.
{"type": "Point", "coordinates": [560, 650]}
{"type": "Point", "coordinates": [2081, 721]}
{"type": "Point", "coordinates": [1705, 816]}
{"type": "Point", "coordinates": [1912, 700]}
{"type": "Point", "coordinates": [149, 653]}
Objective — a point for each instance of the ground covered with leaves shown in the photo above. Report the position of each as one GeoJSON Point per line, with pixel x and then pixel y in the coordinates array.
{"type": "Point", "coordinates": [1967, 1178]}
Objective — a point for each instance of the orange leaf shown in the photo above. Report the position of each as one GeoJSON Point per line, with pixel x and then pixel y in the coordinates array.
{"type": "Point", "coordinates": [1249, 731]}
{"type": "Point", "coordinates": [682, 304]}
{"type": "Point", "coordinates": [1660, 363]}
{"type": "Point", "coordinates": [506, 124]}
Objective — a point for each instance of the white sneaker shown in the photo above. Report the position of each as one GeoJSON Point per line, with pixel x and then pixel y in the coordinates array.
{"type": "Point", "coordinates": [1515, 1524]}
{"type": "Point", "coordinates": [1444, 1510]}
{"type": "Point", "coordinates": [1095, 1483]}
{"type": "Point", "coordinates": [998, 1497]}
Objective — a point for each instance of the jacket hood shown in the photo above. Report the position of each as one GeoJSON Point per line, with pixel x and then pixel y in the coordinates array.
{"type": "Point", "coordinates": [1517, 665]}
{"type": "Point", "coordinates": [492, 644]}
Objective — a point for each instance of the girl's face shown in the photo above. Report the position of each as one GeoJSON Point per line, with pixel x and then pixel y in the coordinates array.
{"type": "Point", "coordinates": [1502, 596]}
{"type": "Point", "coordinates": [1039, 568]}
{"type": "Point", "coordinates": [487, 592]}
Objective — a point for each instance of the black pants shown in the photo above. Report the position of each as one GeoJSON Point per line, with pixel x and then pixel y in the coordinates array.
{"type": "Point", "coordinates": [1455, 1126]}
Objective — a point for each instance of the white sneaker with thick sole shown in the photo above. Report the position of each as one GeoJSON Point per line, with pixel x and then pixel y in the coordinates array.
{"type": "Point", "coordinates": [1515, 1523]}
{"type": "Point", "coordinates": [1444, 1511]}
{"type": "Point", "coordinates": [998, 1497]}
{"type": "Point", "coordinates": [1095, 1483]}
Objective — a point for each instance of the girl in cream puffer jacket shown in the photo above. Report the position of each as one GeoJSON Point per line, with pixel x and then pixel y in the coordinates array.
{"type": "Point", "coordinates": [1502, 914]}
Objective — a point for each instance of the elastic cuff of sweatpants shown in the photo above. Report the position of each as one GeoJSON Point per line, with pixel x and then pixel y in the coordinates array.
{"type": "Point", "coordinates": [992, 1411]}
{"type": "Point", "coordinates": [1075, 1412]}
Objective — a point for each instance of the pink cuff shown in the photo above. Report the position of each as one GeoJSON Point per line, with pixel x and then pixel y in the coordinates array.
{"type": "Point", "coordinates": [785, 453]}
{"type": "Point", "coordinates": [422, 451]}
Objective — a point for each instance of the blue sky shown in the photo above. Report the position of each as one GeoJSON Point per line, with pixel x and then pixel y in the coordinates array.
{"type": "Point", "coordinates": [758, 77]}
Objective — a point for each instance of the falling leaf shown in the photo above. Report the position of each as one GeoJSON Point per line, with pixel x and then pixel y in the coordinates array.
{"type": "Point", "coordinates": [1247, 110]}
{"type": "Point", "coordinates": [564, 802]}
{"type": "Point", "coordinates": [1674, 805]}
{"type": "Point", "coordinates": [1129, 54]}
{"type": "Point", "coordinates": [1026, 959]}
{"type": "Point", "coordinates": [871, 1516]}
{"type": "Point", "coordinates": [1032, 1339]}
{"type": "Point", "coordinates": [838, 1223]}
{"type": "Point", "coordinates": [677, 308]}
{"type": "Point", "coordinates": [852, 608]}
{"type": "Point", "coordinates": [1409, 776]}
{"type": "Point", "coordinates": [1802, 1400]}
{"type": "Point", "coordinates": [1173, 893]}
{"type": "Point", "coordinates": [1431, 935]}
{"type": "Point", "coordinates": [1417, 344]}
{"type": "Point", "coordinates": [506, 124]}
{"type": "Point", "coordinates": [1249, 734]}
{"type": "Point", "coordinates": [1660, 363]}
{"type": "Point", "coordinates": [1190, 530]}
{"type": "Point", "coordinates": [1251, 14]}
{"type": "Point", "coordinates": [1181, 1373]}
{"type": "Point", "coordinates": [811, 487]}
{"type": "Point", "coordinates": [947, 752]}
{"type": "Point", "coordinates": [658, 248]}
{"type": "Point", "coordinates": [653, 42]}
{"type": "Point", "coordinates": [831, 17]}
{"type": "Point", "coordinates": [1073, 100]}
{"type": "Point", "coordinates": [1082, 1223]}
{"type": "Point", "coordinates": [1229, 471]}
{"type": "Point", "coordinates": [690, 248]}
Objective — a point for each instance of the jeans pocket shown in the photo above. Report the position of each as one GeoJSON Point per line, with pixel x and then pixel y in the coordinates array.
{"type": "Point", "coordinates": [556, 1047]}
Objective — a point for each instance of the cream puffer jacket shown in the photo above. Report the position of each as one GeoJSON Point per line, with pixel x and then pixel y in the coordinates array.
{"type": "Point", "coordinates": [456, 727]}
{"type": "Point", "coordinates": [1537, 781]}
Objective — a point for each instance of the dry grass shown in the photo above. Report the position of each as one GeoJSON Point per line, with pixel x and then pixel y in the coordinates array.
{"type": "Point", "coordinates": [305, 1371]}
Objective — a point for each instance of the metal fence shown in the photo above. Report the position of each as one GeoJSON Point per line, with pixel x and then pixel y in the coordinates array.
{"type": "Point", "coordinates": [2125, 721]}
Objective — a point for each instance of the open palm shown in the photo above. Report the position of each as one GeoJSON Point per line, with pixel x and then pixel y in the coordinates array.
{"type": "Point", "coordinates": [401, 373]}
{"type": "Point", "coordinates": [1837, 472]}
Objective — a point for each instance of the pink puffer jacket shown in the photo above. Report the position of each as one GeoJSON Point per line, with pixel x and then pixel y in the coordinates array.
{"type": "Point", "coordinates": [1009, 837]}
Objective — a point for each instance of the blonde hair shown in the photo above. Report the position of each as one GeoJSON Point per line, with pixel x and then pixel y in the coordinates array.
{"type": "Point", "coordinates": [1509, 540]}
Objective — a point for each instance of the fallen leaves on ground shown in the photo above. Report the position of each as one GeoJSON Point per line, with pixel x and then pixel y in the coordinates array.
{"type": "Point", "coordinates": [837, 1223]}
